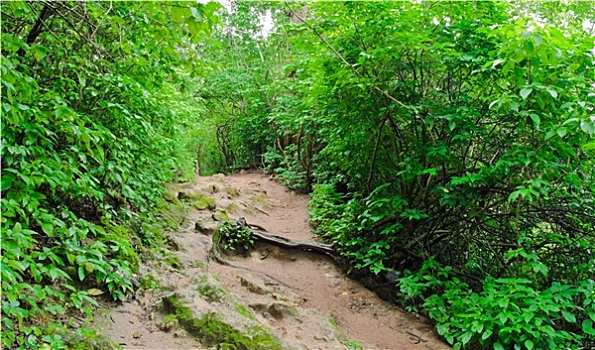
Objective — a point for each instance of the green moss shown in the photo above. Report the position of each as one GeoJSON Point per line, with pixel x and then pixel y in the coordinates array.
{"type": "Point", "coordinates": [212, 188]}
{"type": "Point", "coordinates": [170, 318]}
{"type": "Point", "coordinates": [198, 200]}
{"type": "Point", "coordinates": [220, 215]}
{"type": "Point", "coordinates": [260, 199]}
{"type": "Point", "coordinates": [171, 198]}
{"type": "Point", "coordinates": [351, 344]}
{"type": "Point", "coordinates": [199, 264]}
{"type": "Point", "coordinates": [173, 213]}
{"type": "Point", "coordinates": [210, 330]}
{"type": "Point", "coordinates": [149, 282]}
{"type": "Point", "coordinates": [202, 202]}
{"type": "Point", "coordinates": [172, 260]}
{"type": "Point", "coordinates": [83, 339]}
{"type": "Point", "coordinates": [244, 311]}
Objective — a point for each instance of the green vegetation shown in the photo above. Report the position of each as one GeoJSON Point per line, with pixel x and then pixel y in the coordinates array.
{"type": "Point", "coordinates": [451, 141]}
{"type": "Point", "coordinates": [351, 344]}
{"type": "Point", "coordinates": [231, 236]}
{"type": "Point", "coordinates": [92, 127]}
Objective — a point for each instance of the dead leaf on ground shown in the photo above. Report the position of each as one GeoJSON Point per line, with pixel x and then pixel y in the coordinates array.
{"type": "Point", "coordinates": [94, 292]}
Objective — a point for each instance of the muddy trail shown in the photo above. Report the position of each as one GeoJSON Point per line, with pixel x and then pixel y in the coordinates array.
{"type": "Point", "coordinates": [187, 301]}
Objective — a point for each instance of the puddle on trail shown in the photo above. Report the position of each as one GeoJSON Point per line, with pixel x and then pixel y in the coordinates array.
{"type": "Point", "coordinates": [315, 306]}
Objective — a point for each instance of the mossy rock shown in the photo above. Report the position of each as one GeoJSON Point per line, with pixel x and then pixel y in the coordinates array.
{"type": "Point", "coordinates": [170, 198]}
{"type": "Point", "coordinates": [218, 177]}
{"type": "Point", "coordinates": [209, 290]}
{"type": "Point", "coordinates": [208, 228]}
{"type": "Point", "coordinates": [211, 330]}
{"type": "Point", "coordinates": [232, 208]}
{"type": "Point", "coordinates": [212, 188]}
{"type": "Point", "coordinates": [204, 203]}
{"type": "Point", "coordinates": [198, 200]}
{"type": "Point", "coordinates": [220, 215]}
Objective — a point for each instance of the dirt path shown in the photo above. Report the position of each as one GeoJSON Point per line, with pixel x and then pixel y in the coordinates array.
{"type": "Point", "coordinates": [322, 308]}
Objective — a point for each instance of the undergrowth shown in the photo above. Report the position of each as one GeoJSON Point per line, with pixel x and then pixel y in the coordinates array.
{"type": "Point", "coordinates": [91, 131]}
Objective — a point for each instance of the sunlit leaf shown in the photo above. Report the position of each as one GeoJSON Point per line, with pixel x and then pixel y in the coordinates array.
{"type": "Point", "coordinates": [552, 92]}
{"type": "Point", "coordinates": [525, 92]}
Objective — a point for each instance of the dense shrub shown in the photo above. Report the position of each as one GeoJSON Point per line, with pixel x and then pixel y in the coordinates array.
{"type": "Point", "coordinates": [91, 130]}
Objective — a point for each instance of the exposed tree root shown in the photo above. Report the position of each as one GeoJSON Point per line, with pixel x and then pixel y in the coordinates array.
{"type": "Point", "coordinates": [259, 235]}
{"type": "Point", "coordinates": [215, 254]}
{"type": "Point", "coordinates": [283, 242]}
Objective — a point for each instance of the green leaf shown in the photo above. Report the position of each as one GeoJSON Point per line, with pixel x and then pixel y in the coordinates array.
{"type": "Point", "coordinates": [486, 334]}
{"type": "Point", "coordinates": [588, 127]}
{"type": "Point", "coordinates": [466, 337]}
{"type": "Point", "coordinates": [536, 120]}
{"type": "Point", "coordinates": [513, 196]}
{"type": "Point", "coordinates": [552, 92]}
{"type": "Point", "coordinates": [497, 62]}
{"type": "Point", "coordinates": [498, 346]}
{"type": "Point", "coordinates": [47, 228]}
{"type": "Point", "coordinates": [529, 344]}
{"type": "Point", "coordinates": [503, 303]}
{"type": "Point", "coordinates": [95, 292]}
{"type": "Point", "coordinates": [196, 14]}
{"type": "Point", "coordinates": [568, 316]}
{"type": "Point", "coordinates": [442, 329]}
{"type": "Point", "coordinates": [82, 81]}
{"type": "Point", "coordinates": [587, 326]}
{"type": "Point", "coordinates": [62, 111]}
{"type": "Point", "coordinates": [525, 92]}
{"type": "Point", "coordinates": [81, 272]}
{"type": "Point", "coordinates": [7, 180]}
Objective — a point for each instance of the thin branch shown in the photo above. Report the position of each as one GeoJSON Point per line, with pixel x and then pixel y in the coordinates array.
{"type": "Point", "coordinates": [46, 12]}
{"type": "Point", "coordinates": [375, 154]}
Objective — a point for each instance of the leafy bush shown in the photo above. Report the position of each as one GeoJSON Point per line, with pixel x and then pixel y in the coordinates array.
{"type": "Point", "coordinates": [287, 167]}
{"type": "Point", "coordinates": [507, 312]}
{"type": "Point", "coordinates": [234, 236]}
{"type": "Point", "coordinates": [89, 137]}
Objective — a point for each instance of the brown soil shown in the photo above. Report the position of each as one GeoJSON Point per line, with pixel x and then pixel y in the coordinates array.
{"type": "Point", "coordinates": [301, 315]}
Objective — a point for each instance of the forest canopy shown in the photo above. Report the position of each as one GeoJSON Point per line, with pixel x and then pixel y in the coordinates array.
{"type": "Point", "coordinates": [452, 142]}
